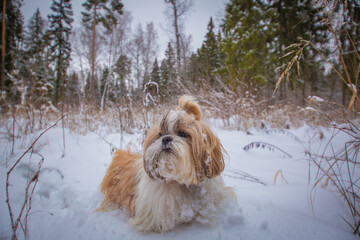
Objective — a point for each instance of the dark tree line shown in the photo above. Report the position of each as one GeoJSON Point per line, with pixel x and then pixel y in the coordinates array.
{"type": "Point", "coordinates": [247, 52]}
{"type": "Point", "coordinates": [258, 39]}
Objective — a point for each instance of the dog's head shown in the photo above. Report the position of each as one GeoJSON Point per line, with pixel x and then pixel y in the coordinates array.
{"type": "Point", "coordinates": [181, 148]}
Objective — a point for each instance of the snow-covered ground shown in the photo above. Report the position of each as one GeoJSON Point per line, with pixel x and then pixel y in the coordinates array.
{"type": "Point", "coordinates": [68, 189]}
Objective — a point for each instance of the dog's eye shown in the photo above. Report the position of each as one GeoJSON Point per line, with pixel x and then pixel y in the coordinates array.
{"type": "Point", "coordinates": [182, 134]}
{"type": "Point", "coordinates": [160, 135]}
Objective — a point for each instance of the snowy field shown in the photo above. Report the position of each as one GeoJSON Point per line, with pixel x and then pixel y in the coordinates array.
{"type": "Point", "coordinates": [67, 192]}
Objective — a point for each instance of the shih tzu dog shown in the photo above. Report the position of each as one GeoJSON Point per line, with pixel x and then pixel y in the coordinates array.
{"type": "Point", "coordinates": [177, 180]}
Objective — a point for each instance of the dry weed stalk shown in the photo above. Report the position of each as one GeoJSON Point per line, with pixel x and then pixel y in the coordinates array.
{"type": "Point", "coordinates": [330, 20]}
{"type": "Point", "coordinates": [342, 170]}
{"type": "Point", "coordinates": [297, 51]}
{"type": "Point", "coordinates": [266, 146]}
{"type": "Point", "coordinates": [241, 175]}
{"type": "Point", "coordinates": [29, 190]}
{"type": "Point", "coordinates": [279, 172]}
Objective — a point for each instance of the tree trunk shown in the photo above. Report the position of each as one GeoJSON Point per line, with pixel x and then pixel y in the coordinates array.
{"type": "Point", "coordinates": [92, 80]}
{"type": "Point", "coordinates": [3, 48]}
{"type": "Point", "coordinates": [177, 35]}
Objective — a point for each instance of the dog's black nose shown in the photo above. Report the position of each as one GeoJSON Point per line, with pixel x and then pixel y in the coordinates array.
{"type": "Point", "coordinates": [166, 142]}
{"type": "Point", "coordinates": [167, 139]}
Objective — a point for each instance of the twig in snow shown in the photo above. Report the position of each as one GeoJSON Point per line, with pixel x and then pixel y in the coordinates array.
{"type": "Point", "coordinates": [279, 172]}
{"type": "Point", "coordinates": [112, 146]}
{"type": "Point", "coordinates": [243, 176]}
{"type": "Point", "coordinates": [282, 131]}
{"type": "Point", "coordinates": [264, 145]}
{"type": "Point", "coordinates": [32, 182]}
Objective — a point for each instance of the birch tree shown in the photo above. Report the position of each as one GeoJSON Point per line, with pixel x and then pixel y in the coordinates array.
{"type": "Point", "coordinates": [99, 11]}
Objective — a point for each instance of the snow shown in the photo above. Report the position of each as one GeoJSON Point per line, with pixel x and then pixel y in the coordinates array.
{"type": "Point", "coordinates": [68, 189]}
{"type": "Point", "coordinates": [352, 87]}
{"type": "Point", "coordinates": [315, 98]}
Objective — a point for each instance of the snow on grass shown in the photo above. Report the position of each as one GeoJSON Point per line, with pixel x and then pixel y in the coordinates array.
{"type": "Point", "coordinates": [68, 189]}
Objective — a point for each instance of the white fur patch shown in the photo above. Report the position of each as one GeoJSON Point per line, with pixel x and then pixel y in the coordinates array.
{"type": "Point", "coordinates": [172, 166]}
{"type": "Point", "coordinates": [160, 206]}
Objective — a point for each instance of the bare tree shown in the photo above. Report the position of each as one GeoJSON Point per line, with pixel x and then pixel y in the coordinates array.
{"type": "Point", "coordinates": [82, 50]}
{"type": "Point", "coordinates": [175, 13]}
{"type": "Point", "coordinates": [99, 11]}
{"type": "Point", "coordinates": [137, 46]}
{"type": "Point", "coordinates": [150, 50]}
{"type": "Point", "coordinates": [144, 49]}
{"type": "Point", "coordinates": [117, 44]}
{"type": "Point", "coordinates": [185, 52]}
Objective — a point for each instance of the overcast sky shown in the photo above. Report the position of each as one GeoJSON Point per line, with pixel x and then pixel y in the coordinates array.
{"type": "Point", "coordinates": [144, 11]}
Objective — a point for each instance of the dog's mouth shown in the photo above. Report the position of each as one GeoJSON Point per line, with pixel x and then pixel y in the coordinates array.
{"type": "Point", "coordinates": [166, 147]}
{"type": "Point", "coordinates": [162, 165]}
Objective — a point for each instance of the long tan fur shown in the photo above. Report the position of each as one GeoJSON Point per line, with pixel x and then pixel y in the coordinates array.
{"type": "Point", "coordinates": [119, 182]}
{"type": "Point", "coordinates": [172, 175]}
{"type": "Point", "coordinates": [189, 104]}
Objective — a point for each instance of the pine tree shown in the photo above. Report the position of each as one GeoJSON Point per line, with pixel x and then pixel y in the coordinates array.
{"type": "Point", "coordinates": [257, 34]}
{"type": "Point", "coordinates": [34, 68]}
{"type": "Point", "coordinates": [168, 72]}
{"type": "Point", "coordinates": [350, 44]}
{"type": "Point", "coordinates": [164, 79]}
{"type": "Point", "coordinates": [73, 95]}
{"type": "Point", "coordinates": [34, 40]}
{"type": "Point", "coordinates": [170, 63]}
{"type": "Point", "coordinates": [11, 36]}
{"type": "Point", "coordinates": [98, 11]}
{"type": "Point", "coordinates": [300, 19]}
{"type": "Point", "coordinates": [105, 84]}
{"type": "Point", "coordinates": [154, 88]}
{"type": "Point", "coordinates": [122, 70]}
{"type": "Point", "coordinates": [249, 33]}
{"type": "Point", "coordinates": [59, 33]}
{"type": "Point", "coordinates": [194, 72]}
{"type": "Point", "coordinates": [209, 55]}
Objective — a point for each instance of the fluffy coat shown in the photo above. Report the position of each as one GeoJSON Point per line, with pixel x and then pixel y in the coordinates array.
{"type": "Point", "coordinates": [176, 180]}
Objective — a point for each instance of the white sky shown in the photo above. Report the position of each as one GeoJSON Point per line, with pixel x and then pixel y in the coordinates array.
{"type": "Point", "coordinates": [144, 11]}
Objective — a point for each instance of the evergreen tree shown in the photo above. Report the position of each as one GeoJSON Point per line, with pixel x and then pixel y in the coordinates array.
{"type": "Point", "coordinates": [154, 88]}
{"type": "Point", "coordinates": [59, 33]}
{"type": "Point", "coordinates": [73, 95]}
{"type": "Point", "coordinates": [34, 69]}
{"type": "Point", "coordinates": [257, 33]}
{"type": "Point", "coordinates": [301, 19]}
{"type": "Point", "coordinates": [122, 70]}
{"type": "Point", "coordinates": [350, 44]}
{"type": "Point", "coordinates": [168, 68]}
{"type": "Point", "coordinates": [209, 55]}
{"type": "Point", "coordinates": [194, 72]}
{"type": "Point", "coordinates": [249, 33]}
{"type": "Point", "coordinates": [104, 85]}
{"type": "Point", "coordinates": [98, 11]}
{"type": "Point", "coordinates": [34, 40]}
{"type": "Point", "coordinates": [11, 36]}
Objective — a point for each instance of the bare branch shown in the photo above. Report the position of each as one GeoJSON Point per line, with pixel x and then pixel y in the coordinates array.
{"type": "Point", "coordinates": [32, 182]}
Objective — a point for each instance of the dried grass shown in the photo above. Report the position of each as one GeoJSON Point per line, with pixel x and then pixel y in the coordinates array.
{"type": "Point", "coordinates": [340, 170]}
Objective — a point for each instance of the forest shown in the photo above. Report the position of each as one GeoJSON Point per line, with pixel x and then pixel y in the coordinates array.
{"type": "Point", "coordinates": [277, 80]}
{"type": "Point", "coordinates": [299, 48]}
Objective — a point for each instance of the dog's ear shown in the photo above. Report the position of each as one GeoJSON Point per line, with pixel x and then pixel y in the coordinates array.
{"type": "Point", "coordinates": [213, 158]}
{"type": "Point", "coordinates": [189, 104]}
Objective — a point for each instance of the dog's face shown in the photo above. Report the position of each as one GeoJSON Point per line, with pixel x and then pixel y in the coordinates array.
{"type": "Point", "coordinates": [181, 148]}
